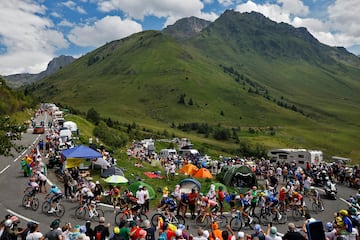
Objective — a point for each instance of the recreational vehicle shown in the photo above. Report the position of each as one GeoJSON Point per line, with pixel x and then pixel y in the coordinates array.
{"type": "Point", "coordinates": [165, 153]}
{"type": "Point", "coordinates": [301, 157]}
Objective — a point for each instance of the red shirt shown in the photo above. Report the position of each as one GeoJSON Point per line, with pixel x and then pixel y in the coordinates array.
{"type": "Point", "coordinates": [192, 197]}
{"type": "Point", "coordinates": [221, 196]}
{"type": "Point", "coordinates": [170, 234]}
{"type": "Point", "coordinates": [282, 196]}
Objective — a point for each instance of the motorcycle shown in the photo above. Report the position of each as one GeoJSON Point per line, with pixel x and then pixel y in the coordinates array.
{"type": "Point", "coordinates": [330, 190]}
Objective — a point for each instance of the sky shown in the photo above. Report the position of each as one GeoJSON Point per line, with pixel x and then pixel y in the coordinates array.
{"type": "Point", "coordinates": [33, 32]}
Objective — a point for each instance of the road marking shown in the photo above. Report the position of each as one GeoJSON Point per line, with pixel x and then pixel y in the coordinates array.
{"type": "Point", "coordinates": [5, 169]}
{"type": "Point", "coordinates": [21, 216]}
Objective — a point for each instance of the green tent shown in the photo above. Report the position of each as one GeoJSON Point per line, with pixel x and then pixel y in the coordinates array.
{"type": "Point", "coordinates": [135, 186]}
{"type": "Point", "coordinates": [240, 177]}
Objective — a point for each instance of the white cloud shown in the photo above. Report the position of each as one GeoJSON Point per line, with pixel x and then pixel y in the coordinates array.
{"type": "Point", "coordinates": [295, 7]}
{"type": "Point", "coordinates": [73, 6]}
{"type": "Point", "coordinates": [65, 23]}
{"type": "Point", "coordinates": [104, 30]}
{"type": "Point", "coordinates": [26, 37]}
{"type": "Point", "coordinates": [344, 16]}
{"type": "Point", "coordinates": [225, 3]}
{"type": "Point", "coordinates": [158, 8]}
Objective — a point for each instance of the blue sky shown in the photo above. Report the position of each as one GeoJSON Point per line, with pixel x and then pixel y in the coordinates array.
{"type": "Point", "coordinates": [32, 32]}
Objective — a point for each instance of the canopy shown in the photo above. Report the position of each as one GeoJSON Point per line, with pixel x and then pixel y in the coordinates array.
{"type": "Point", "coordinates": [135, 186]}
{"type": "Point", "coordinates": [240, 176]}
{"type": "Point", "coordinates": [112, 171]}
{"type": "Point", "coordinates": [116, 179]}
{"type": "Point", "coordinates": [81, 151]}
{"type": "Point", "coordinates": [189, 183]}
{"type": "Point", "coordinates": [203, 173]}
{"type": "Point", "coordinates": [189, 169]}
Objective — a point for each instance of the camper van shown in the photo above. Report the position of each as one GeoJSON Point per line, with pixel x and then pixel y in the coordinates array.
{"type": "Point", "coordinates": [299, 156]}
{"type": "Point", "coordinates": [189, 153]}
{"type": "Point", "coordinates": [165, 153]}
{"type": "Point", "coordinates": [58, 114]}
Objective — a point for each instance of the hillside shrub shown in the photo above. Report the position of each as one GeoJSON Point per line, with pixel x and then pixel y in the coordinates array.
{"type": "Point", "coordinates": [110, 136]}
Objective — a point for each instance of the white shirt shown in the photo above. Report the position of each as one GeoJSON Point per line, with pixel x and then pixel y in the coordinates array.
{"type": "Point", "coordinates": [140, 196]}
{"type": "Point", "coordinates": [146, 194]}
{"type": "Point", "coordinates": [34, 236]}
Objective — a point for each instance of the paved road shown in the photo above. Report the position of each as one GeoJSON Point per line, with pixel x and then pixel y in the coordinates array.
{"type": "Point", "coordinates": [12, 184]}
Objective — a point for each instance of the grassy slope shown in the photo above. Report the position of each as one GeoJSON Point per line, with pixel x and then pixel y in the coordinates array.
{"type": "Point", "coordinates": [140, 79]}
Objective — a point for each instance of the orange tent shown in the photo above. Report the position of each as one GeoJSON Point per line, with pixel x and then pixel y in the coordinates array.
{"type": "Point", "coordinates": [189, 169]}
{"type": "Point", "coordinates": [203, 173]}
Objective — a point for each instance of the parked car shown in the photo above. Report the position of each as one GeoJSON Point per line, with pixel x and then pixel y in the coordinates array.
{"type": "Point", "coordinates": [38, 130]}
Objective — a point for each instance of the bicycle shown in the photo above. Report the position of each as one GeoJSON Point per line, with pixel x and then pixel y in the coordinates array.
{"type": "Point", "coordinates": [241, 219]}
{"type": "Point", "coordinates": [173, 219]}
{"type": "Point", "coordinates": [34, 204]}
{"type": "Point", "coordinates": [204, 218]}
{"type": "Point", "coordinates": [268, 215]}
{"type": "Point", "coordinates": [127, 215]}
{"type": "Point", "coordinates": [317, 206]}
{"type": "Point", "coordinates": [81, 211]}
{"type": "Point", "coordinates": [59, 208]}
{"type": "Point", "coordinates": [297, 213]}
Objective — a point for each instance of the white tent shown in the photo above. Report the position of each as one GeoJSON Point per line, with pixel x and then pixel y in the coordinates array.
{"type": "Point", "coordinates": [71, 126]}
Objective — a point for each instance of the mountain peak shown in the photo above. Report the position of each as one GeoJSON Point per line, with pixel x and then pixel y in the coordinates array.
{"type": "Point", "coordinates": [186, 27]}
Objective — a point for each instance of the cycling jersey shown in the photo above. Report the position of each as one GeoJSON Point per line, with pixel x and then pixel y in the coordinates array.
{"type": "Point", "coordinates": [170, 203]}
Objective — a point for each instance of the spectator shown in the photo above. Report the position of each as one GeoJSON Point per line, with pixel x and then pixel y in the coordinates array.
{"type": "Point", "coordinates": [258, 233]}
{"type": "Point", "coordinates": [89, 231]}
{"type": "Point", "coordinates": [34, 233]}
{"type": "Point", "coordinates": [271, 233]}
{"type": "Point", "coordinates": [124, 231]}
{"type": "Point", "coordinates": [55, 233]}
{"type": "Point", "coordinates": [241, 236]}
{"type": "Point", "coordinates": [330, 232]}
{"type": "Point", "coordinates": [200, 235]}
{"type": "Point", "coordinates": [101, 231]}
{"type": "Point", "coordinates": [150, 230]}
{"type": "Point", "coordinates": [292, 234]}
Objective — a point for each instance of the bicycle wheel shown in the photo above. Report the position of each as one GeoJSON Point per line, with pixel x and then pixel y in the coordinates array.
{"type": "Point", "coordinates": [266, 218]}
{"type": "Point", "coordinates": [202, 220]}
{"type": "Point", "coordinates": [60, 210]}
{"type": "Point", "coordinates": [98, 213]}
{"type": "Point", "coordinates": [179, 220]}
{"type": "Point", "coordinates": [315, 207]}
{"type": "Point", "coordinates": [25, 200]}
{"type": "Point", "coordinates": [140, 218]}
{"type": "Point", "coordinates": [296, 214]}
{"type": "Point", "coordinates": [35, 204]}
{"type": "Point", "coordinates": [80, 212]}
{"type": "Point", "coordinates": [45, 207]}
{"type": "Point", "coordinates": [222, 221]}
{"type": "Point", "coordinates": [155, 218]}
{"type": "Point", "coordinates": [236, 224]}
{"type": "Point", "coordinates": [118, 218]}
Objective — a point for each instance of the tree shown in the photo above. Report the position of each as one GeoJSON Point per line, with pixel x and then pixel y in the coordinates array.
{"type": "Point", "coordinates": [9, 131]}
{"type": "Point", "coordinates": [93, 116]}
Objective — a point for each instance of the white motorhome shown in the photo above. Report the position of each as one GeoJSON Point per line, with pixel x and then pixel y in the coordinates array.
{"type": "Point", "coordinates": [299, 156]}
{"type": "Point", "coordinates": [58, 114]}
{"type": "Point", "coordinates": [165, 153]}
{"type": "Point", "coordinates": [189, 153]}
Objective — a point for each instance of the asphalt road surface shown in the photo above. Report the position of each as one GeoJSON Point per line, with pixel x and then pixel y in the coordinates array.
{"type": "Point", "coordinates": [12, 184]}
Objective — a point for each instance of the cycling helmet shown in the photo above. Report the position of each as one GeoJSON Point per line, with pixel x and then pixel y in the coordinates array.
{"type": "Point", "coordinates": [53, 186]}
{"type": "Point", "coordinates": [329, 226]}
{"type": "Point", "coordinates": [294, 193]}
{"type": "Point", "coordinates": [8, 223]}
{"type": "Point", "coordinates": [237, 197]}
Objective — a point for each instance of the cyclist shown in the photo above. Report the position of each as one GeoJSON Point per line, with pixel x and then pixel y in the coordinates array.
{"type": "Point", "coordinates": [115, 195]}
{"type": "Point", "coordinates": [243, 204]}
{"type": "Point", "coordinates": [55, 195]}
{"type": "Point", "coordinates": [87, 196]}
{"type": "Point", "coordinates": [273, 203]}
{"type": "Point", "coordinates": [168, 205]}
{"type": "Point", "coordinates": [211, 206]}
{"type": "Point", "coordinates": [315, 195]}
{"type": "Point", "coordinates": [298, 200]}
{"type": "Point", "coordinates": [33, 188]}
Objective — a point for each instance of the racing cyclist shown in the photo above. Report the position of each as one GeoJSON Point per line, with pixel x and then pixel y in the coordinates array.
{"type": "Point", "coordinates": [87, 196]}
{"type": "Point", "coordinates": [298, 200]}
{"type": "Point", "coordinates": [273, 203]}
{"type": "Point", "coordinates": [55, 195]}
{"type": "Point", "coordinates": [33, 188]}
{"type": "Point", "coordinates": [315, 195]}
{"type": "Point", "coordinates": [168, 205]}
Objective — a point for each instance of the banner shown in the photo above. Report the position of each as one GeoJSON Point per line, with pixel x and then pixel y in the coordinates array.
{"type": "Point", "coordinates": [73, 162]}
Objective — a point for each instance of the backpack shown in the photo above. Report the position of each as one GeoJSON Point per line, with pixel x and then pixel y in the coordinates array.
{"type": "Point", "coordinates": [98, 235]}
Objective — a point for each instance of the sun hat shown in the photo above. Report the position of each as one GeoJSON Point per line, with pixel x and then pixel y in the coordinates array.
{"type": "Point", "coordinates": [273, 231]}
{"type": "Point", "coordinates": [257, 228]}
{"type": "Point", "coordinates": [241, 235]}
{"type": "Point", "coordinates": [116, 230]}
{"type": "Point", "coordinates": [178, 233]}
{"type": "Point", "coordinates": [181, 227]}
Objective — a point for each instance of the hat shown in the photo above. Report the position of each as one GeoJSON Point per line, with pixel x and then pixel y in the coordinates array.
{"type": "Point", "coordinates": [206, 233]}
{"type": "Point", "coordinates": [101, 220]}
{"type": "Point", "coordinates": [116, 230]}
{"type": "Point", "coordinates": [140, 186]}
{"type": "Point", "coordinates": [147, 223]}
{"type": "Point", "coordinates": [291, 226]}
{"type": "Point", "coordinates": [82, 229]}
{"type": "Point", "coordinates": [97, 182]}
{"type": "Point", "coordinates": [273, 231]}
{"type": "Point", "coordinates": [241, 235]}
{"type": "Point", "coordinates": [178, 233]}
{"type": "Point", "coordinates": [55, 223]}
{"type": "Point", "coordinates": [257, 228]}
{"type": "Point", "coordinates": [181, 227]}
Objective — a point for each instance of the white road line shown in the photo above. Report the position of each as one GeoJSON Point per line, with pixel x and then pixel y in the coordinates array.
{"type": "Point", "coordinates": [5, 169]}
{"type": "Point", "coordinates": [21, 216]}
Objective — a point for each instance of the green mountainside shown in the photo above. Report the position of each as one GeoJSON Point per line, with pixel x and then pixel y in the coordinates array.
{"type": "Point", "coordinates": [243, 72]}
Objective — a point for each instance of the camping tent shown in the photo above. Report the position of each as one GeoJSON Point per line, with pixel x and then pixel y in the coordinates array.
{"type": "Point", "coordinates": [189, 169]}
{"type": "Point", "coordinates": [203, 173]}
{"type": "Point", "coordinates": [112, 171]}
{"type": "Point", "coordinates": [240, 176]}
{"type": "Point", "coordinates": [135, 186]}
{"type": "Point", "coordinates": [189, 183]}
